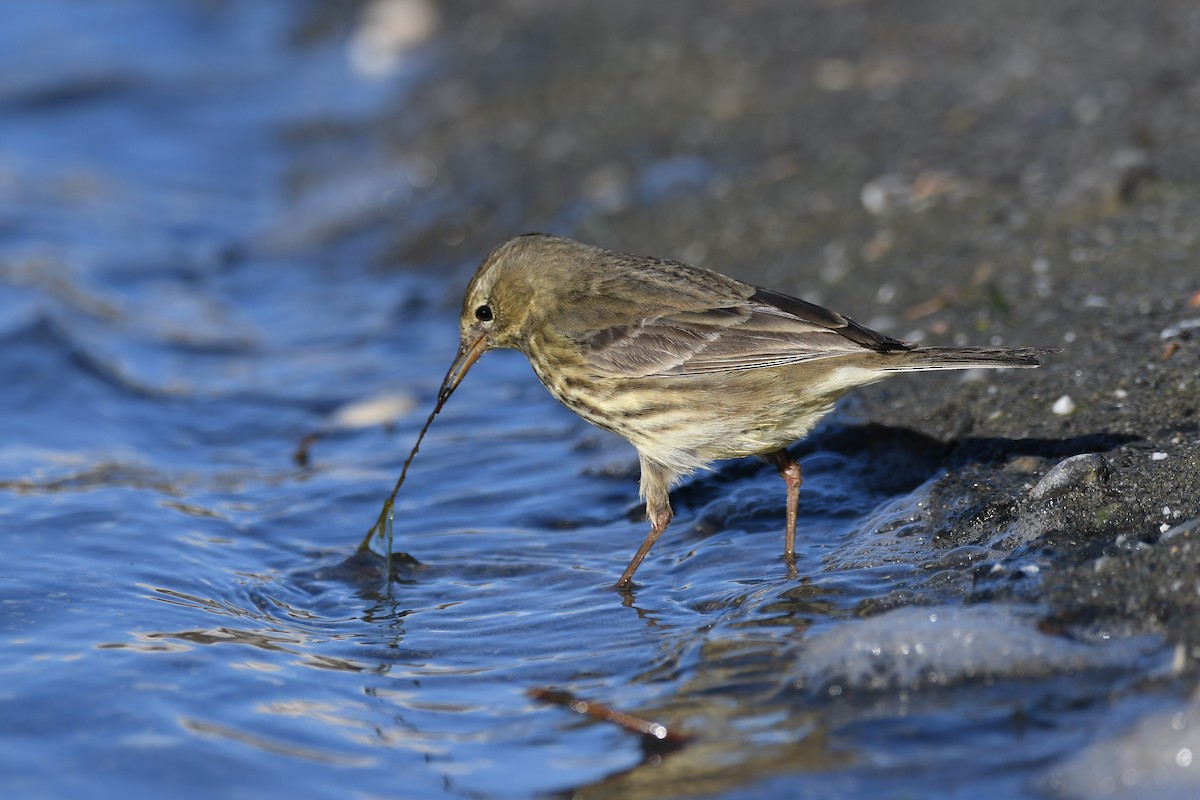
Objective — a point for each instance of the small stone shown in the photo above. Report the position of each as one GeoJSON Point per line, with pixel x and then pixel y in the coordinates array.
{"type": "Point", "coordinates": [1076, 471]}
{"type": "Point", "coordinates": [1180, 328]}
{"type": "Point", "coordinates": [1158, 456]}
{"type": "Point", "coordinates": [1187, 529]}
{"type": "Point", "coordinates": [884, 194]}
{"type": "Point", "coordinates": [381, 410]}
{"type": "Point", "coordinates": [1063, 406]}
{"type": "Point", "coordinates": [387, 30]}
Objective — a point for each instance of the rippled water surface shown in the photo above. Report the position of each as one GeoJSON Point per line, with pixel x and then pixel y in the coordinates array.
{"type": "Point", "coordinates": [181, 607]}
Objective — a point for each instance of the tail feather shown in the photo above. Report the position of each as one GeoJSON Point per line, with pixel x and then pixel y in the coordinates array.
{"type": "Point", "coordinates": [933, 358]}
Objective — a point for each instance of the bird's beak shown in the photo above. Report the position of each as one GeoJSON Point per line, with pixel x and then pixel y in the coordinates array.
{"type": "Point", "coordinates": [468, 353]}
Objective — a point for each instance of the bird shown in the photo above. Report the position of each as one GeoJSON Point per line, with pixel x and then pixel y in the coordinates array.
{"type": "Point", "coordinates": [688, 365]}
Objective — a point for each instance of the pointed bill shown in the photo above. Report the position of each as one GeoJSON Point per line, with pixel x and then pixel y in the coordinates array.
{"type": "Point", "coordinates": [468, 353]}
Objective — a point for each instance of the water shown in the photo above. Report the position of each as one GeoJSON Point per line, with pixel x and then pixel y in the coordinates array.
{"type": "Point", "coordinates": [191, 203]}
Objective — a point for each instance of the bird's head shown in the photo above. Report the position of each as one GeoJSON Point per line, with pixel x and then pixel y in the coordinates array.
{"type": "Point", "coordinates": [502, 299]}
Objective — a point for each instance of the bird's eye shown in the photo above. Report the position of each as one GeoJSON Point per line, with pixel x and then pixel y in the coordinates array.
{"type": "Point", "coordinates": [484, 313]}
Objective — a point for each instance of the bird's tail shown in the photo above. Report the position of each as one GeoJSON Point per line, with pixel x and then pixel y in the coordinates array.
{"type": "Point", "coordinates": [931, 358]}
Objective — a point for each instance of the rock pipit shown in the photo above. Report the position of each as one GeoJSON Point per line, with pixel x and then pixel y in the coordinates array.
{"type": "Point", "coordinates": [688, 365]}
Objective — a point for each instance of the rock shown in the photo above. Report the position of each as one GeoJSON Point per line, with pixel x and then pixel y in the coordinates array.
{"type": "Point", "coordinates": [1085, 469]}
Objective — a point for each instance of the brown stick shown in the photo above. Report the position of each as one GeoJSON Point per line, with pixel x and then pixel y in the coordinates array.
{"type": "Point", "coordinates": [384, 515]}
{"type": "Point", "coordinates": [643, 727]}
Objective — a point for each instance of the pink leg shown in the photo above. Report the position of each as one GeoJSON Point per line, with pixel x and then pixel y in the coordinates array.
{"type": "Point", "coordinates": [789, 470]}
{"type": "Point", "coordinates": [660, 518]}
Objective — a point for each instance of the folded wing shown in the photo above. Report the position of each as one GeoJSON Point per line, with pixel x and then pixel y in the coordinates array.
{"type": "Point", "coordinates": [766, 329]}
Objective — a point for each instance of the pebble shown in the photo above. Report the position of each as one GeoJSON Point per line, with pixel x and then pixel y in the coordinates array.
{"type": "Point", "coordinates": [1063, 406]}
{"type": "Point", "coordinates": [380, 410]}
{"type": "Point", "coordinates": [1180, 328]}
{"type": "Point", "coordinates": [1085, 468]}
{"type": "Point", "coordinates": [884, 194]}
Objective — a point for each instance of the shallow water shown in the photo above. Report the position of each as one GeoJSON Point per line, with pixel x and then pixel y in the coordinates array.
{"type": "Point", "coordinates": [181, 606]}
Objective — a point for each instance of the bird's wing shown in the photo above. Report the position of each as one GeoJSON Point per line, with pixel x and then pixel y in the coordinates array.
{"type": "Point", "coordinates": [767, 329]}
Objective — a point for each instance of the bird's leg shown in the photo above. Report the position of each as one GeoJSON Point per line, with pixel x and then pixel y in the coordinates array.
{"type": "Point", "coordinates": [789, 470]}
{"type": "Point", "coordinates": [656, 479]}
{"type": "Point", "coordinates": [660, 518]}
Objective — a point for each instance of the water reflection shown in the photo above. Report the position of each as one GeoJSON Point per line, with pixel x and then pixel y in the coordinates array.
{"type": "Point", "coordinates": [267, 745]}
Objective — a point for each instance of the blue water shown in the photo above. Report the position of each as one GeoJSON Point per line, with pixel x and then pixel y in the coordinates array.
{"type": "Point", "coordinates": [193, 201]}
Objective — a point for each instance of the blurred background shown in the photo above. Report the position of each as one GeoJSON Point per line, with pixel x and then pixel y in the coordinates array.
{"type": "Point", "coordinates": [233, 238]}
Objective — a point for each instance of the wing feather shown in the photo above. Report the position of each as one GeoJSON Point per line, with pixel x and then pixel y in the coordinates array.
{"type": "Point", "coordinates": [765, 330]}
